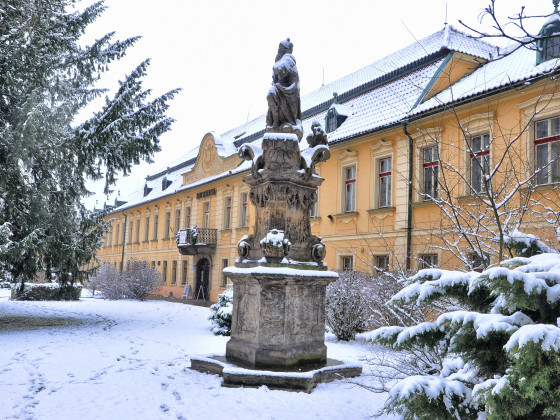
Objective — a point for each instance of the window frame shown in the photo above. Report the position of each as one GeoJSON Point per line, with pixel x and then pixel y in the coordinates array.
{"type": "Point", "coordinates": [552, 167]}
{"type": "Point", "coordinates": [244, 210]}
{"type": "Point", "coordinates": [188, 217]}
{"type": "Point", "coordinates": [382, 267]}
{"type": "Point", "coordinates": [177, 221]}
{"type": "Point", "coordinates": [428, 260]}
{"type": "Point", "coordinates": [167, 224]}
{"type": "Point", "coordinates": [174, 272]}
{"type": "Point", "coordinates": [156, 227]}
{"type": "Point", "coordinates": [206, 215]}
{"type": "Point", "coordinates": [482, 154]}
{"type": "Point", "coordinates": [164, 271]}
{"type": "Point", "coordinates": [349, 188]}
{"type": "Point", "coordinates": [432, 167]}
{"type": "Point", "coordinates": [224, 278]}
{"type": "Point", "coordinates": [147, 228]}
{"type": "Point", "coordinates": [227, 212]}
{"type": "Point", "coordinates": [347, 262]}
{"type": "Point", "coordinates": [382, 176]}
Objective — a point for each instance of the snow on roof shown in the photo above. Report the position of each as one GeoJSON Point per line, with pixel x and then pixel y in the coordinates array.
{"type": "Point", "coordinates": [448, 38]}
{"type": "Point", "coordinates": [515, 67]}
{"type": "Point", "coordinates": [382, 93]}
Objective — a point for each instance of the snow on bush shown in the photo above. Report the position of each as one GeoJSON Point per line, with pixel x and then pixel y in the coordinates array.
{"type": "Point", "coordinates": [136, 282]}
{"type": "Point", "coordinates": [221, 313]}
{"type": "Point", "coordinates": [505, 344]}
{"type": "Point", "coordinates": [358, 300]}
{"type": "Point", "coordinates": [347, 304]}
{"type": "Point", "coordinates": [45, 291]}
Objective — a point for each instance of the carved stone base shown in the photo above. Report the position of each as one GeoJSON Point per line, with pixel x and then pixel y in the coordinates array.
{"type": "Point", "coordinates": [278, 319]}
{"type": "Point", "coordinates": [300, 380]}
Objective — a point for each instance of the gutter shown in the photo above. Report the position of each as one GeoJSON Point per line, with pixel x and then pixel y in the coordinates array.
{"type": "Point", "coordinates": [409, 201]}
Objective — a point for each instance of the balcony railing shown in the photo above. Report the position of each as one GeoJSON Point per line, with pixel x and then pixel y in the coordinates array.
{"type": "Point", "coordinates": [194, 241]}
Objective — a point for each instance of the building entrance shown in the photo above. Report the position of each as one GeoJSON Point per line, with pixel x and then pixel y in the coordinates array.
{"type": "Point", "coordinates": [202, 289]}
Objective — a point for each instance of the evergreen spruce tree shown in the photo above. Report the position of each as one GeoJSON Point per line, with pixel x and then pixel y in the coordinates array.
{"type": "Point", "coordinates": [46, 79]}
{"type": "Point", "coordinates": [501, 352]}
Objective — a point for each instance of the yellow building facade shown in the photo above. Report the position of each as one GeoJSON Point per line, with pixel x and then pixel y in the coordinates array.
{"type": "Point", "coordinates": [434, 150]}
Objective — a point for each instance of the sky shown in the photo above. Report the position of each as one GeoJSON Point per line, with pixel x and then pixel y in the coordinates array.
{"type": "Point", "coordinates": [221, 52]}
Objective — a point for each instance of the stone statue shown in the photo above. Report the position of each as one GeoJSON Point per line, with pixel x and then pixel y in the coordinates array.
{"type": "Point", "coordinates": [284, 108]}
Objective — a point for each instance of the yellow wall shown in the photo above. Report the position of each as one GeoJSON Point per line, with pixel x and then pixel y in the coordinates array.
{"type": "Point", "coordinates": [370, 231]}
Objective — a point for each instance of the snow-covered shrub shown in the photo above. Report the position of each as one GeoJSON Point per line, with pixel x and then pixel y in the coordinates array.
{"type": "Point", "coordinates": [5, 285]}
{"type": "Point", "coordinates": [140, 279]}
{"type": "Point", "coordinates": [501, 354]}
{"type": "Point", "coordinates": [348, 306]}
{"type": "Point", "coordinates": [46, 291]}
{"type": "Point", "coordinates": [221, 313]}
{"type": "Point", "coordinates": [136, 282]}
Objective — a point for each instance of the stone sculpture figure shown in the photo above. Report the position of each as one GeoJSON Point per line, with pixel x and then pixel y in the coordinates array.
{"type": "Point", "coordinates": [284, 108]}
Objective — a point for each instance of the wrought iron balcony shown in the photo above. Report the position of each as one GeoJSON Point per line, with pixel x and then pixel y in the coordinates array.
{"type": "Point", "coordinates": [195, 241]}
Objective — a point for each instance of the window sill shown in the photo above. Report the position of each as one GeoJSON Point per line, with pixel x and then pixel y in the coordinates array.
{"type": "Point", "coordinates": [314, 220]}
{"type": "Point", "coordinates": [382, 212]}
{"type": "Point", "coordinates": [346, 217]}
{"type": "Point", "coordinates": [423, 203]}
{"type": "Point", "coordinates": [225, 231]}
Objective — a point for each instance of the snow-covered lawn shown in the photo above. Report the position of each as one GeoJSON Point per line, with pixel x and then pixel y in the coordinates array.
{"type": "Point", "coordinates": [130, 360]}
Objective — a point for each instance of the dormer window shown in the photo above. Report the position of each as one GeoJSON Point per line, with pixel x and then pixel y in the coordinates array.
{"type": "Point", "coordinates": [336, 115]}
{"type": "Point", "coordinates": [548, 43]}
{"type": "Point", "coordinates": [147, 189]}
{"type": "Point", "coordinates": [165, 183]}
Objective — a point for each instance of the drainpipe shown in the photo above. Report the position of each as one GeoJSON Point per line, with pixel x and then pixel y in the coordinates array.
{"type": "Point", "coordinates": [123, 240]}
{"type": "Point", "coordinates": [409, 204]}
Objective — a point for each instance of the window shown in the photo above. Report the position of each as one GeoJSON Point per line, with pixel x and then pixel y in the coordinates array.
{"type": "Point", "coordinates": [153, 264]}
{"type": "Point", "coordinates": [117, 234]}
{"type": "Point", "coordinates": [314, 209]}
{"type": "Point", "coordinates": [332, 123]}
{"type": "Point", "coordinates": [177, 221]}
{"type": "Point", "coordinates": [227, 213]}
{"type": "Point", "coordinates": [427, 261]}
{"type": "Point", "coordinates": [167, 224]}
{"type": "Point", "coordinates": [547, 150]}
{"type": "Point", "coordinates": [164, 272]}
{"type": "Point", "coordinates": [137, 230]}
{"type": "Point", "coordinates": [244, 209]}
{"type": "Point", "coordinates": [479, 161]}
{"type": "Point", "coordinates": [185, 272]}
{"type": "Point", "coordinates": [478, 262]}
{"type": "Point", "coordinates": [430, 168]}
{"type": "Point", "coordinates": [188, 217]}
{"type": "Point", "coordinates": [207, 214]}
{"type": "Point", "coordinates": [174, 272]}
{"type": "Point", "coordinates": [347, 262]}
{"type": "Point", "coordinates": [382, 263]}
{"type": "Point", "coordinates": [385, 182]}
{"type": "Point", "coordinates": [225, 263]}
{"type": "Point", "coordinates": [130, 230]}
{"type": "Point", "coordinates": [350, 189]}
{"type": "Point", "coordinates": [156, 224]}
{"type": "Point", "coordinates": [147, 231]}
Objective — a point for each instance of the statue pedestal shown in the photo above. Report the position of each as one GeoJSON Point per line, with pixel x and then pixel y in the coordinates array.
{"type": "Point", "coordinates": [278, 317]}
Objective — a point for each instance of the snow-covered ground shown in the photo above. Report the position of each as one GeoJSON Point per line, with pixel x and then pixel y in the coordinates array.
{"type": "Point", "coordinates": [130, 360]}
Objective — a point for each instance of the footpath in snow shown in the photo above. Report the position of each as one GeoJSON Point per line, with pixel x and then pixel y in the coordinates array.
{"type": "Point", "coordinates": [99, 359]}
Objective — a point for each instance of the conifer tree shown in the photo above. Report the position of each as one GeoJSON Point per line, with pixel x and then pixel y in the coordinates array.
{"type": "Point", "coordinates": [46, 79]}
{"type": "Point", "coordinates": [500, 352]}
